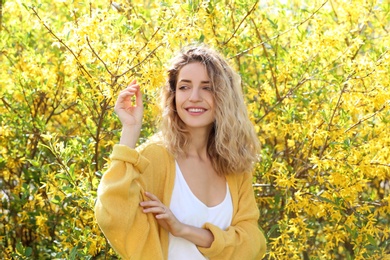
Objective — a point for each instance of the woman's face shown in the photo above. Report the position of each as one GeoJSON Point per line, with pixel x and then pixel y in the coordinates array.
{"type": "Point", "coordinates": [194, 96]}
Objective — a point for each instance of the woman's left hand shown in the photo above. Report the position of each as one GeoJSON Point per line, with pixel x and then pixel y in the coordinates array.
{"type": "Point", "coordinates": [163, 214]}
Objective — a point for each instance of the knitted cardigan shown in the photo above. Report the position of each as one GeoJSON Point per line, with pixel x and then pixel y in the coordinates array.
{"type": "Point", "coordinates": [136, 235]}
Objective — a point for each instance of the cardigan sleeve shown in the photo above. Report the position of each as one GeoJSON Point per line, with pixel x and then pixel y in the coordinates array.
{"type": "Point", "coordinates": [117, 210]}
{"type": "Point", "coordinates": [243, 239]}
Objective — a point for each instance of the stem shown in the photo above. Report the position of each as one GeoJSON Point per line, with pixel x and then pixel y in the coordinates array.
{"type": "Point", "coordinates": [280, 34]}
{"type": "Point", "coordinates": [274, 80]}
{"type": "Point", "coordinates": [97, 56]}
{"type": "Point", "coordinates": [291, 90]}
{"type": "Point", "coordinates": [61, 41]}
{"type": "Point", "coordinates": [247, 14]}
{"type": "Point", "coordinates": [139, 63]}
{"type": "Point", "coordinates": [366, 118]}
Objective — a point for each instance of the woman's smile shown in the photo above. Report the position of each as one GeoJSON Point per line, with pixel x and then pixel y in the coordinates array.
{"type": "Point", "coordinates": [194, 96]}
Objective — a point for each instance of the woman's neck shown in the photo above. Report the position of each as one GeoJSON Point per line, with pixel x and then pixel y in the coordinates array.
{"type": "Point", "coordinates": [198, 144]}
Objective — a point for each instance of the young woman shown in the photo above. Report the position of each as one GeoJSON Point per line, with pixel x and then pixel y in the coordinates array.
{"type": "Point", "coordinates": [187, 194]}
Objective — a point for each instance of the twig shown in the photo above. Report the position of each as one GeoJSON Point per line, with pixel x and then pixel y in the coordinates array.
{"type": "Point", "coordinates": [333, 115]}
{"type": "Point", "coordinates": [280, 34]}
{"type": "Point", "coordinates": [61, 41]}
{"type": "Point", "coordinates": [139, 63]}
{"type": "Point", "coordinates": [98, 133]}
{"type": "Point", "coordinates": [261, 185]}
{"type": "Point", "coordinates": [239, 25]}
{"type": "Point", "coordinates": [380, 164]}
{"type": "Point", "coordinates": [366, 118]}
{"type": "Point", "coordinates": [146, 44]}
{"type": "Point", "coordinates": [269, 62]}
{"type": "Point", "coordinates": [345, 85]}
{"type": "Point", "coordinates": [1, 15]}
{"type": "Point", "coordinates": [97, 56]}
{"type": "Point", "coordinates": [290, 91]}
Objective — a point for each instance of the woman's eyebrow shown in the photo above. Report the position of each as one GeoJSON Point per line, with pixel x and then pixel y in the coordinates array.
{"type": "Point", "coordinates": [185, 80]}
{"type": "Point", "coordinates": [189, 81]}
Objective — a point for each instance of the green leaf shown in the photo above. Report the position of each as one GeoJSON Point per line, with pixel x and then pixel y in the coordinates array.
{"type": "Point", "coordinates": [28, 251]}
{"type": "Point", "coordinates": [272, 229]}
{"type": "Point", "coordinates": [372, 241]}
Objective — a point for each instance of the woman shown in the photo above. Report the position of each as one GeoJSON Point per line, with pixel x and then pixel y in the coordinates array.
{"type": "Point", "coordinates": [187, 194]}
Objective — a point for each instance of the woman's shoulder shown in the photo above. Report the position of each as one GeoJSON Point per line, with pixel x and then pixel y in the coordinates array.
{"type": "Point", "coordinates": [154, 147]}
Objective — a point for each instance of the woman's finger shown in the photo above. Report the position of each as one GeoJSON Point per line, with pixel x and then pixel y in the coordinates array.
{"type": "Point", "coordinates": [151, 203]}
{"type": "Point", "coordinates": [155, 210]}
{"type": "Point", "coordinates": [126, 94]}
{"type": "Point", "coordinates": [129, 89]}
{"type": "Point", "coordinates": [133, 88]}
{"type": "Point", "coordinates": [133, 82]}
{"type": "Point", "coordinates": [124, 98]}
{"type": "Point", "coordinates": [151, 196]}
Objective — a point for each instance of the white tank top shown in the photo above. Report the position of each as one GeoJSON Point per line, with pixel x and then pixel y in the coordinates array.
{"type": "Point", "coordinates": [189, 210]}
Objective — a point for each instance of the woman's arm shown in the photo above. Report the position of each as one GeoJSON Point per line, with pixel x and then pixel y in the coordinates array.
{"type": "Point", "coordinates": [165, 218]}
{"type": "Point", "coordinates": [117, 207]}
{"type": "Point", "coordinates": [243, 239]}
{"type": "Point", "coordinates": [131, 233]}
{"type": "Point", "coordinates": [130, 114]}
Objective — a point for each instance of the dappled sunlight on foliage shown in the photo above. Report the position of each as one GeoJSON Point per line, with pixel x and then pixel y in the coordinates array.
{"type": "Point", "coordinates": [316, 80]}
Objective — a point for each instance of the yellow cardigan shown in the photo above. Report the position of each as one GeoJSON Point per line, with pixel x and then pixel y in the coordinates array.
{"type": "Point", "coordinates": [136, 235]}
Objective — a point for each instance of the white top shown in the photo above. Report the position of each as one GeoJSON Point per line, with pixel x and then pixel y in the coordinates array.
{"type": "Point", "coordinates": [189, 210]}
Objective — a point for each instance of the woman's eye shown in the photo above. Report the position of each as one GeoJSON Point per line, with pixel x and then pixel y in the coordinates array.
{"type": "Point", "coordinates": [208, 88]}
{"type": "Point", "coordinates": [182, 87]}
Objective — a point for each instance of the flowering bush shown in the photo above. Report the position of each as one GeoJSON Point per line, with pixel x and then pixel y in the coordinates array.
{"type": "Point", "coordinates": [316, 80]}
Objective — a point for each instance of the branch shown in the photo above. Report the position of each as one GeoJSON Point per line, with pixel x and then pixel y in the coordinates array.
{"type": "Point", "coordinates": [380, 164]}
{"type": "Point", "coordinates": [366, 118]}
{"type": "Point", "coordinates": [280, 34]}
{"type": "Point", "coordinates": [146, 44]}
{"type": "Point", "coordinates": [339, 101]}
{"type": "Point", "coordinates": [49, 146]}
{"type": "Point", "coordinates": [333, 115]}
{"type": "Point", "coordinates": [9, 107]}
{"type": "Point", "coordinates": [61, 41]}
{"type": "Point", "coordinates": [97, 56]}
{"type": "Point", "coordinates": [98, 132]}
{"type": "Point", "coordinates": [1, 15]}
{"type": "Point", "coordinates": [139, 63]}
{"type": "Point", "coordinates": [269, 62]}
{"type": "Point", "coordinates": [290, 91]}
{"type": "Point", "coordinates": [247, 14]}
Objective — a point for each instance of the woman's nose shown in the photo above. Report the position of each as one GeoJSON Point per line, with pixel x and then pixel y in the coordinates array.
{"type": "Point", "coordinates": [195, 95]}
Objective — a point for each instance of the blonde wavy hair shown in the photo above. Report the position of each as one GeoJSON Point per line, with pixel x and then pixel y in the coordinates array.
{"type": "Point", "coordinates": [232, 144]}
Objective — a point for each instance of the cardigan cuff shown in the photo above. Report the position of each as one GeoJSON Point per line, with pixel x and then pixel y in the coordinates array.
{"type": "Point", "coordinates": [126, 154]}
{"type": "Point", "coordinates": [218, 244]}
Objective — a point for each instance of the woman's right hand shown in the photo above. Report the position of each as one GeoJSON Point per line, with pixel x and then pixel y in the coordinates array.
{"type": "Point", "coordinates": [130, 114]}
